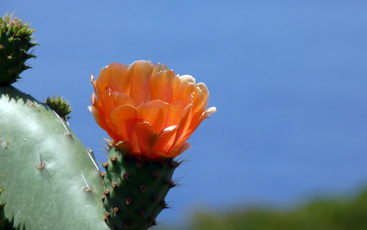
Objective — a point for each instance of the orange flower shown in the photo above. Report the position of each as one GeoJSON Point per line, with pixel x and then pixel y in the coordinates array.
{"type": "Point", "coordinates": [147, 109]}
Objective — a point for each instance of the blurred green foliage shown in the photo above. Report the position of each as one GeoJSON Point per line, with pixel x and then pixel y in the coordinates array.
{"type": "Point", "coordinates": [317, 214]}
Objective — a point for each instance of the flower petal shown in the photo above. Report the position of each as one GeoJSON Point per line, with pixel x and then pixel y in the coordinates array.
{"type": "Point", "coordinates": [139, 72]}
{"type": "Point", "coordinates": [178, 150]}
{"type": "Point", "coordinates": [203, 89]}
{"type": "Point", "coordinates": [107, 101]}
{"type": "Point", "coordinates": [145, 137]}
{"type": "Point", "coordinates": [99, 117]}
{"type": "Point", "coordinates": [166, 139]}
{"type": "Point", "coordinates": [183, 125]}
{"type": "Point", "coordinates": [124, 118]}
{"type": "Point", "coordinates": [157, 67]}
{"type": "Point", "coordinates": [183, 89]}
{"type": "Point", "coordinates": [188, 79]}
{"type": "Point", "coordinates": [152, 114]}
{"type": "Point", "coordinates": [122, 99]}
{"type": "Point", "coordinates": [194, 126]}
{"type": "Point", "coordinates": [118, 78]}
{"type": "Point", "coordinates": [161, 85]}
{"type": "Point", "coordinates": [174, 113]}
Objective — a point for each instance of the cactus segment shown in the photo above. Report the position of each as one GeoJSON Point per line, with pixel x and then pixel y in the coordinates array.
{"type": "Point", "coordinates": [5, 223]}
{"type": "Point", "coordinates": [45, 168]}
{"type": "Point", "coordinates": [60, 106]}
{"type": "Point", "coordinates": [135, 190]}
{"type": "Point", "coordinates": [2, 213]}
{"type": "Point", "coordinates": [15, 42]}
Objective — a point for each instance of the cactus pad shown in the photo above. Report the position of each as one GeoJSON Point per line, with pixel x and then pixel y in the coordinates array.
{"type": "Point", "coordinates": [15, 44]}
{"type": "Point", "coordinates": [135, 190]}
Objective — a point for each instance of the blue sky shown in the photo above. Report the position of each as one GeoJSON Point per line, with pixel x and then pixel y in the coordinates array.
{"type": "Point", "coordinates": [288, 79]}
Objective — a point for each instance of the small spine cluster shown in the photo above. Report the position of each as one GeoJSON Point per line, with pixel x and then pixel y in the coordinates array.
{"type": "Point", "coordinates": [135, 190]}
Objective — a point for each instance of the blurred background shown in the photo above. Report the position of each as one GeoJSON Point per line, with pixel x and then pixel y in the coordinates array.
{"type": "Point", "coordinates": [288, 79]}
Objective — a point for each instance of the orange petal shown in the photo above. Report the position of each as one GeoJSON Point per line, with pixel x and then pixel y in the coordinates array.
{"type": "Point", "coordinates": [184, 88]}
{"type": "Point", "coordinates": [95, 102]}
{"type": "Point", "coordinates": [166, 139]}
{"type": "Point", "coordinates": [178, 150]}
{"type": "Point", "coordinates": [156, 67]}
{"type": "Point", "coordinates": [194, 126]}
{"type": "Point", "coordinates": [174, 113]}
{"type": "Point", "coordinates": [163, 105]}
{"type": "Point", "coordinates": [118, 78]}
{"type": "Point", "coordinates": [152, 114]}
{"type": "Point", "coordinates": [139, 73]}
{"type": "Point", "coordinates": [199, 101]}
{"type": "Point", "coordinates": [165, 108]}
{"type": "Point", "coordinates": [187, 79]}
{"type": "Point", "coordinates": [99, 117]}
{"type": "Point", "coordinates": [124, 117]}
{"type": "Point", "coordinates": [122, 99]}
{"type": "Point", "coordinates": [102, 82]}
{"type": "Point", "coordinates": [203, 89]}
{"type": "Point", "coordinates": [107, 101]}
{"type": "Point", "coordinates": [145, 137]}
{"type": "Point", "coordinates": [93, 82]}
{"type": "Point", "coordinates": [183, 125]}
{"type": "Point", "coordinates": [161, 85]}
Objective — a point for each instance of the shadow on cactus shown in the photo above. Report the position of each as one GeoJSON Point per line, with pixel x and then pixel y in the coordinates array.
{"type": "Point", "coordinates": [53, 181]}
{"type": "Point", "coordinates": [5, 223]}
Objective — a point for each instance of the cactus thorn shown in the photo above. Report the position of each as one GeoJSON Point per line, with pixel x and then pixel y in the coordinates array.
{"type": "Point", "coordinates": [127, 224]}
{"type": "Point", "coordinates": [115, 210]}
{"type": "Point", "coordinates": [113, 159]}
{"type": "Point", "coordinates": [108, 214]}
{"type": "Point", "coordinates": [129, 201]}
{"type": "Point", "coordinates": [107, 192]}
{"type": "Point", "coordinates": [169, 182]}
{"type": "Point", "coordinates": [164, 204]}
{"type": "Point", "coordinates": [87, 188]}
{"type": "Point", "coordinates": [174, 164]}
{"type": "Point", "coordinates": [105, 165]}
{"type": "Point", "coordinates": [156, 174]}
{"type": "Point", "coordinates": [142, 212]}
{"type": "Point", "coordinates": [126, 175]}
{"type": "Point", "coordinates": [143, 188]}
{"type": "Point", "coordinates": [114, 185]}
{"type": "Point", "coordinates": [40, 164]}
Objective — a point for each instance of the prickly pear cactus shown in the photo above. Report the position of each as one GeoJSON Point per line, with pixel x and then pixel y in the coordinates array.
{"type": "Point", "coordinates": [15, 44]}
{"type": "Point", "coordinates": [135, 190]}
{"type": "Point", "coordinates": [53, 182]}
{"type": "Point", "coordinates": [5, 223]}
{"type": "Point", "coordinates": [2, 213]}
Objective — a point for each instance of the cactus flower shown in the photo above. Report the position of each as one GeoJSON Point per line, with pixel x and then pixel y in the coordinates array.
{"type": "Point", "coordinates": [148, 110]}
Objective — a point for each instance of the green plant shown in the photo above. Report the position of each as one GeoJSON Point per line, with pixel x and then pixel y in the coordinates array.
{"type": "Point", "coordinates": [53, 181]}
